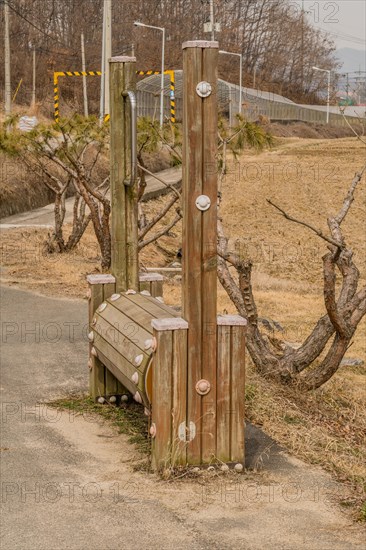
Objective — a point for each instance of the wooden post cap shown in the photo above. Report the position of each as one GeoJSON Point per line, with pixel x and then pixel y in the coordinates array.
{"type": "Point", "coordinates": [102, 279]}
{"type": "Point", "coordinates": [150, 277]}
{"type": "Point", "coordinates": [174, 323]}
{"type": "Point", "coordinates": [122, 59]}
{"type": "Point", "coordinates": [231, 321]}
{"type": "Point", "coordinates": [200, 44]}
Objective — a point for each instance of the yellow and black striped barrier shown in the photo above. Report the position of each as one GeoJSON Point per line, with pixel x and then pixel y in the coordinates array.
{"type": "Point", "coordinates": [56, 76]}
{"type": "Point", "coordinates": [149, 73]}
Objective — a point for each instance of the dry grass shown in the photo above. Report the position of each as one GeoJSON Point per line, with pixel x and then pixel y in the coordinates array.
{"type": "Point", "coordinates": [326, 427]}
{"type": "Point", "coordinates": [309, 179]}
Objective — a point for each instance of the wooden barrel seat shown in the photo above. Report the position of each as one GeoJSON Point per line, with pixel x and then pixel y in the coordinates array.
{"type": "Point", "coordinates": [122, 339]}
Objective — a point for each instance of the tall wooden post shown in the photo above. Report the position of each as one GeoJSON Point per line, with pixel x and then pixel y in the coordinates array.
{"type": "Point", "coordinates": [123, 169]}
{"type": "Point", "coordinates": [200, 60]}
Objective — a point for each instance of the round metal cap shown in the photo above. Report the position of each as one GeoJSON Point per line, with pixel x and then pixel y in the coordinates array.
{"type": "Point", "coordinates": [203, 387]}
{"type": "Point", "coordinates": [203, 202]}
{"type": "Point", "coordinates": [204, 89]}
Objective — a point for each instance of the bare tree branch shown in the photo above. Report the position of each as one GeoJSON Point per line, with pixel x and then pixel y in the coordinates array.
{"type": "Point", "coordinates": [349, 197]}
{"type": "Point", "coordinates": [160, 233]}
{"type": "Point", "coordinates": [168, 185]}
{"type": "Point", "coordinates": [316, 231]}
{"type": "Point", "coordinates": [157, 218]}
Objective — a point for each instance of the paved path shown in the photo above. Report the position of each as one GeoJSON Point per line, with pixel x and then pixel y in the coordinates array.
{"type": "Point", "coordinates": [44, 217]}
{"type": "Point", "coordinates": [68, 481]}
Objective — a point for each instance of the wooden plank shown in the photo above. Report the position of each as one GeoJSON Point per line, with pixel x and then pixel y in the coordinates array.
{"type": "Point", "coordinates": [153, 282]}
{"type": "Point", "coordinates": [179, 398]}
{"type": "Point", "coordinates": [156, 288]}
{"type": "Point", "coordinates": [122, 370]}
{"type": "Point", "coordinates": [113, 369]}
{"type": "Point", "coordinates": [209, 253]}
{"type": "Point", "coordinates": [192, 237]}
{"type": "Point", "coordinates": [108, 290]}
{"type": "Point", "coordinates": [152, 306]}
{"type": "Point", "coordinates": [118, 341]}
{"type": "Point", "coordinates": [152, 309]}
{"type": "Point", "coordinates": [223, 393]}
{"type": "Point", "coordinates": [145, 285]}
{"type": "Point", "coordinates": [237, 393]}
{"type": "Point", "coordinates": [135, 314]}
{"type": "Point", "coordinates": [112, 385]}
{"type": "Point", "coordinates": [97, 370]}
{"type": "Point", "coordinates": [169, 311]}
{"type": "Point", "coordinates": [162, 400]}
{"type": "Point", "coordinates": [127, 327]}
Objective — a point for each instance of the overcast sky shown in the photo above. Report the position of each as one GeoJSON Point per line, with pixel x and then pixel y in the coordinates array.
{"type": "Point", "coordinates": [344, 19]}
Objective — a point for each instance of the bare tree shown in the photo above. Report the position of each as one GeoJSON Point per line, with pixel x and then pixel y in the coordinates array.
{"type": "Point", "coordinates": [345, 309]}
{"type": "Point", "coordinates": [67, 158]}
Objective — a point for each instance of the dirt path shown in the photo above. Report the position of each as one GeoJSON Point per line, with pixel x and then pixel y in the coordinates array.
{"type": "Point", "coordinates": [68, 482]}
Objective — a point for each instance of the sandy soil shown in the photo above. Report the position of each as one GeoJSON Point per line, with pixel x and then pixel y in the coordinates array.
{"type": "Point", "coordinates": [224, 511]}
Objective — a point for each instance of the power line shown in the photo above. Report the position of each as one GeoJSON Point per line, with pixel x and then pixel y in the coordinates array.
{"type": "Point", "coordinates": [344, 36]}
{"type": "Point", "coordinates": [19, 14]}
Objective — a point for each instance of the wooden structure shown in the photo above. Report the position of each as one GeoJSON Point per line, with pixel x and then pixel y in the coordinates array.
{"type": "Point", "coordinates": [187, 371]}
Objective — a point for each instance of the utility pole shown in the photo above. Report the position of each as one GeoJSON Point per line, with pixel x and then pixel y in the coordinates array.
{"type": "Point", "coordinates": [102, 79]}
{"type": "Point", "coordinates": [210, 26]}
{"type": "Point", "coordinates": [7, 61]}
{"type": "Point", "coordinates": [302, 47]}
{"type": "Point", "coordinates": [85, 93]}
{"type": "Point", "coordinates": [106, 55]}
{"type": "Point", "coordinates": [212, 20]}
{"type": "Point", "coordinates": [34, 78]}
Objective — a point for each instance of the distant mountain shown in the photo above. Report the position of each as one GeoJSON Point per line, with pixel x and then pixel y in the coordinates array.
{"type": "Point", "coordinates": [353, 60]}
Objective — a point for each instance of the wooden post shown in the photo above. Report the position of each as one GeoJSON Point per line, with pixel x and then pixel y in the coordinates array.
{"type": "Point", "coordinates": [169, 429]}
{"type": "Point", "coordinates": [153, 283]}
{"type": "Point", "coordinates": [102, 383]}
{"type": "Point", "coordinates": [123, 167]}
{"type": "Point", "coordinates": [230, 388]}
{"type": "Point", "coordinates": [200, 61]}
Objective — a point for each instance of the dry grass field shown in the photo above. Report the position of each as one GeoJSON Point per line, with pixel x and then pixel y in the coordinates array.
{"type": "Point", "coordinates": [309, 179]}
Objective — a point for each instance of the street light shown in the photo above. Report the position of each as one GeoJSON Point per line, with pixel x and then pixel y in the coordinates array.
{"type": "Point", "coordinates": [328, 100]}
{"type": "Point", "coordinates": [240, 77]}
{"type": "Point", "coordinates": [138, 24]}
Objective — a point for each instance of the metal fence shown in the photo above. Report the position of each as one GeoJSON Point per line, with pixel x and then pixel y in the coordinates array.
{"type": "Point", "coordinates": [254, 103]}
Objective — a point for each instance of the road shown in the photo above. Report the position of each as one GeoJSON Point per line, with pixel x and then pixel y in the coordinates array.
{"type": "Point", "coordinates": [44, 217]}
{"type": "Point", "coordinates": [69, 482]}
